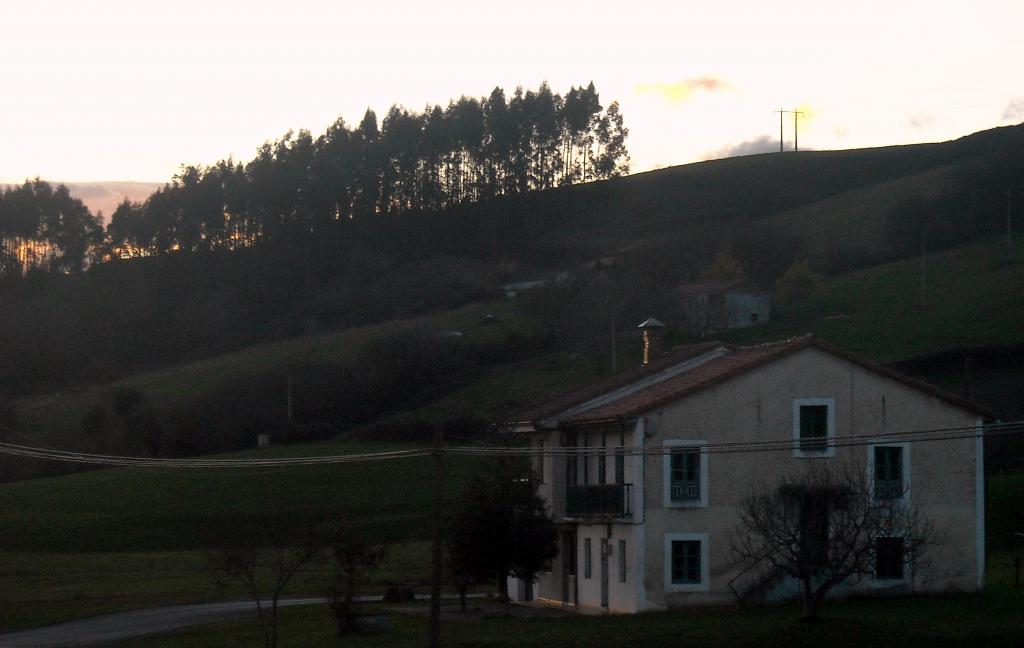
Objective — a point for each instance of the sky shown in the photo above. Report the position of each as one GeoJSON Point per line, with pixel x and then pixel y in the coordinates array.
{"type": "Point", "coordinates": [129, 91]}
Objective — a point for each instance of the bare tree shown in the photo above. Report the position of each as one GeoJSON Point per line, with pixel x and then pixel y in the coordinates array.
{"type": "Point", "coordinates": [828, 526]}
{"type": "Point", "coordinates": [263, 555]}
{"type": "Point", "coordinates": [353, 560]}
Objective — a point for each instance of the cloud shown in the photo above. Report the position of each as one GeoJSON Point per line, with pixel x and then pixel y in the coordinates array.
{"type": "Point", "coordinates": [762, 144]}
{"type": "Point", "coordinates": [1014, 110]}
{"type": "Point", "coordinates": [679, 92]}
{"type": "Point", "coordinates": [921, 121]}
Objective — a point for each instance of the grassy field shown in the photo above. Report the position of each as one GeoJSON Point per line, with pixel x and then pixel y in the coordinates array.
{"type": "Point", "coordinates": [54, 419]}
{"type": "Point", "coordinates": [995, 618]}
{"type": "Point", "coordinates": [45, 588]}
{"type": "Point", "coordinates": [147, 551]}
{"type": "Point", "coordinates": [130, 509]}
{"type": "Point", "coordinates": [971, 299]}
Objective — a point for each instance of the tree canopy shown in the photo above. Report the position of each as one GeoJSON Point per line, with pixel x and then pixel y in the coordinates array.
{"type": "Point", "coordinates": [501, 528]}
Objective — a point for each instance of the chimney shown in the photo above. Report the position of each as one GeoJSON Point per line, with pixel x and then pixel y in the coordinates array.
{"type": "Point", "coordinates": [652, 334]}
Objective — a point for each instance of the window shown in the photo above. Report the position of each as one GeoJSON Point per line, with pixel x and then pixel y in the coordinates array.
{"type": "Point", "coordinates": [685, 475]}
{"type": "Point", "coordinates": [685, 471]}
{"type": "Point", "coordinates": [622, 561]}
{"type": "Point", "coordinates": [888, 472]}
{"type": "Point", "coordinates": [813, 427]}
{"type": "Point", "coordinates": [686, 562]}
{"type": "Point", "coordinates": [586, 558]}
{"type": "Point", "coordinates": [602, 463]}
{"type": "Point", "coordinates": [889, 558]}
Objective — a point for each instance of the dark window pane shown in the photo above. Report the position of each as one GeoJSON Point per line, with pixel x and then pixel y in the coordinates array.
{"type": "Point", "coordinates": [686, 567]}
{"type": "Point", "coordinates": [813, 427]}
{"type": "Point", "coordinates": [888, 472]}
{"type": "Point", "coordinates": [684, 474]}
{"type": "Point", "coordinates": [889, 558]}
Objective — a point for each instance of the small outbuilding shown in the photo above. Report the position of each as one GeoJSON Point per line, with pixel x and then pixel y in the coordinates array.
{"type": "Point", "coordinates": [707, 307]}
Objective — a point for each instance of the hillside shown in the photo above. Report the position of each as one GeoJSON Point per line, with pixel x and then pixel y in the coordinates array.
{"type": "Point", "coordinates": [833, 207]}
{"type": "Point", "coordinates": [971, 308]}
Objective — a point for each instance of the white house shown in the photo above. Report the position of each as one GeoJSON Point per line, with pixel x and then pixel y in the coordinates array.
{"type": "Point", "coordinates": [642, 531]}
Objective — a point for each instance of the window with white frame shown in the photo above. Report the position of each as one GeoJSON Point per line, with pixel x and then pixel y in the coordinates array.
{"type": "Point", "coordinates": [814, 427]}
{"type": "Point", "coordinates": [889, 470]}
{"type": "Point", "coordinates": [686, 562]}
{"type": "Point", "coordinates": [685, 473]}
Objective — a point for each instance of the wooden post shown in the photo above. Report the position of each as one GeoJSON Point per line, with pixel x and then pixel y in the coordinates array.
{"type": "Point", "coordinates": [436, 567]}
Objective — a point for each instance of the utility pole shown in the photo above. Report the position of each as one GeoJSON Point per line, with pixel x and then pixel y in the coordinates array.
{"type": "Point", "coordinates": [796, 130]}
{"type": "Point", "coordinates": [782, 113]}
{"type": "Point", "coordinates": [435, 576]}
{"type": "Point", "coordinates": [796, 126]}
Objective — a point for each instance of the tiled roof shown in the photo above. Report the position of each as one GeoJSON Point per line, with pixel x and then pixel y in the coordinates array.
{"type": "Point", "coordinates": [737, 361]}
{"type": "Point", "coordinates": [582, 394]}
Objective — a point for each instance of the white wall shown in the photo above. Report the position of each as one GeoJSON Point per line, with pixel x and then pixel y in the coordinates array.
{"type": "Point", "coordinates": [758, 405]}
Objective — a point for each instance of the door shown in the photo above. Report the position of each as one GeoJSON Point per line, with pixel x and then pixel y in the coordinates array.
{"type": "Point", "coordinates": [604, 571]}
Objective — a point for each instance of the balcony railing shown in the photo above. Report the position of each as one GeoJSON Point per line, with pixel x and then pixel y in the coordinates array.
{"type": "Point", "coordinates": [888, 489]}
{"type": "Point", "coordinates": [603, 501]}
{"type": "Point", "coordinates": [685, 491]}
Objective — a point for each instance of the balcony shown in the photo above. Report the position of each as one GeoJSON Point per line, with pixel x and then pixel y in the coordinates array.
{"type": "Point", "coordinates": [599, 501]}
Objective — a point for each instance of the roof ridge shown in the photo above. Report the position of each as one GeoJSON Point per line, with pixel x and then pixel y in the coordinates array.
{"type": "Point", "coordinates": [806, 337]}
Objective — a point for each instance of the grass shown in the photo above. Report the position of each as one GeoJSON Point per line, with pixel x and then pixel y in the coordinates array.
{"type": "Point", "coordinates": [971, 299]}
{"type": "Point", "coordinates": [45, 588]}
{"type": "Point", "coordinates": [995, 618]}
{"type": "Point", "coordinates": [167, 510]}
{"type": "Point", "coordinates": [79, 576]}
{"type": "Point", "coordinates": [54, 419]}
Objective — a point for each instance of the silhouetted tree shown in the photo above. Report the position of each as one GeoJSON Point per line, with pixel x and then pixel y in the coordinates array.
{"type": "Point", "coordinates": [501, 527]}
{"type": "Point", "coordinates": [353, 559]}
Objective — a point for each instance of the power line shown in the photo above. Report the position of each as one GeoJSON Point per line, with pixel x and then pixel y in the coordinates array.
{"type": "Point", "coordinates": [753, 446]}
{"type": "Point", "coordinates": [935, 434]}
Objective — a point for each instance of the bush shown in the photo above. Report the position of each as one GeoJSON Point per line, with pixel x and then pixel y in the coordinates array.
{"type": "Point", "coordinates": [798, 283]}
